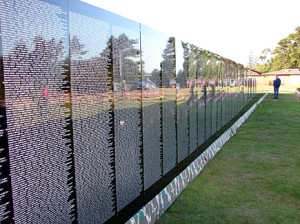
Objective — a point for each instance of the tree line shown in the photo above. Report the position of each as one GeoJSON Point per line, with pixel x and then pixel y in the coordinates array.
{"type": "Point", "coordinates": [285, 56]}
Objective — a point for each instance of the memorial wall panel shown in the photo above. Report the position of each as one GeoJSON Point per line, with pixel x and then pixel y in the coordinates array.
{"type": "Point", "coordinates": [244, 89]}
{"type": "Point", "coordinates": [252, 87]}
{"type": "Point", "coordinates": [219, 96]}
{"type": "Point", "coordinates": [240, 89]}
{"type": "Point", "coordinates": [213, 83]}
{"type": "Point", "coordinates": [248, 88]}
{"type": "Point", "coordinates": [235, 78]}
{"type": "Point", "coordinates": [208, 104]}
{"type": "Point", "coordinates": [127, 111]}
{"type": "Point", "coordinates": [232, 91]}
{"type": "Point", "coordinates": [229, 102]}
{"type": "Point", "coordinates": [224, 92]}
{"type": "Point", "coordinates": [193, 100]}
{"type": "Point", "coordinates": [236, 87]}
{"type": "Point", "coordinates": [6, 206]}
{"type": "Point", "coordinates": [228, 98]}
{"type": "Point", "coordinates": [35, 49]}
{"type": "Point", "coordinates": [242, 84]}
{"type": "Point", "coordinates": [153, 43]}
{"type": "Point", "coordinates": [182, 100]}
{"type": "Point", "coordinates": [169, 87]}
{"type": "Point", "coordinates": [91, 87]}
{"type": "Point", "coordinates": [201, 89]}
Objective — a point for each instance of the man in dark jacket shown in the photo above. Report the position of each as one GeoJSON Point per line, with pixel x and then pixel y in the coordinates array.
{"type": "Point", "coordinates": [276, 85]}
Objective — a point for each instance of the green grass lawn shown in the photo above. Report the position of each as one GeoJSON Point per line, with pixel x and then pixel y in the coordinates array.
{"type": "Point", "coordinates": [255, 178]}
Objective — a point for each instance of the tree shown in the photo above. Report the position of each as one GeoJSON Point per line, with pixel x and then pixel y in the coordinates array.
{"type": "Point", "coordinates": [252, 60]}
{"type": "Point", "coordinates": [124, 54]}
{"type": "Point", "coordinates": [155, 76]}
{"type": "Point", "coordinates": [76, 48]}
{"type": "Point", "coordinates": [287, 55]}
{"type": "Point", "coordinates": [265, 55]}
{"type": "Point", "coordinates": [288, 52]}
{"type": "Point", "coordinates": [193, 62]}
{"type": "Point", "coordinates": [169, 51]}
{"type": "Point", "coordinates": [168, 64]}
{"type": "Point", "coordinates": [182, 75]}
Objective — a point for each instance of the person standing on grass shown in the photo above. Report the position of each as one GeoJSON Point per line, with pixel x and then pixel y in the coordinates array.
{"type": "Point", "coordinates": [276, 85]}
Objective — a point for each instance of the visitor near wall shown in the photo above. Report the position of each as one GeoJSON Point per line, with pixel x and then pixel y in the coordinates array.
{"type": "Point", "coordinates": [276, 85]}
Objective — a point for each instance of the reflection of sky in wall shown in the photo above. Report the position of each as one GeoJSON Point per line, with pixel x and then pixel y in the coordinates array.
{"type": "Point", "coordinates": [179, 55]}
{"type": "Point", "coordinates": [118, 26]}
{"type": "Point", "coordinates": [132, 35]}
{"type": "Point", "coordinates": [152, 52]}
{"type": "Point", "coordinates": [153, 45]}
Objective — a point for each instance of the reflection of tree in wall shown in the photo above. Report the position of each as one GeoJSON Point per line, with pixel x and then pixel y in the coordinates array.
{"type": "Point", "coordinates": [76, 48]}
{"type": "Point", "coordinates": [37, 66]}
{"type": "Point", "coordinates": [204, 63]}
{"type": "Point", "coordinates": [193, 62]}
{"type": "Point", "coordinates": [183, 74]}
{"type": "Point", "coordinates": [228, 72]}
{"type": "Point", "coordinates": [86, 70]}
{"type": "Point", "coordinates": [125, 63]}
{"type": "Point", "coordinates": [168, 64]}
{"type": "Point", "coordinates": [107, 53]}
{"type": "Point", "coordinates": [155, 76]}
{"type": "Point", "coordinates": [214, 69]}
{"type": "Point", "coordinates": [221, 72]}
{"type": "Point", "coordinates": [200, 65]}
{"type": "Point", "coordinates": [241, 75]}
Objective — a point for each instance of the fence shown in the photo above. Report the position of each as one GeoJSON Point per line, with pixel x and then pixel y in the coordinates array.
{"type": "Point", "coordinates": [96, 108]}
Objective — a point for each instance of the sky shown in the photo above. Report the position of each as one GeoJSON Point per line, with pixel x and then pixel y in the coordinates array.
{"type": "Point", "coordinates": [230, 28]}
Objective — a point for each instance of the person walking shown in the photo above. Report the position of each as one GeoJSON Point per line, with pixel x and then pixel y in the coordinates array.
{"type": "Point", "coordinates": [276, 85]}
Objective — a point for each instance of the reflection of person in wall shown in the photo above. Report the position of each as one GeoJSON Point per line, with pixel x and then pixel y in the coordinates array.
{"type": "Point", "coordinates": [44, 101]}
{"type": "Point", "coordinates": [213, 82]}
{"type": "Point", "coordinates": [123, 87]}
{"type": "Point", "coordinates": [204, 90]}
{"type": "Point", "coordinates": [191, 86]}
{"type": "Point", "coordinates": [276, 85]}
{"type": "Point", "coordinates": [115, 87]}
{"type": "Point", "coordinates": [213, 87]}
